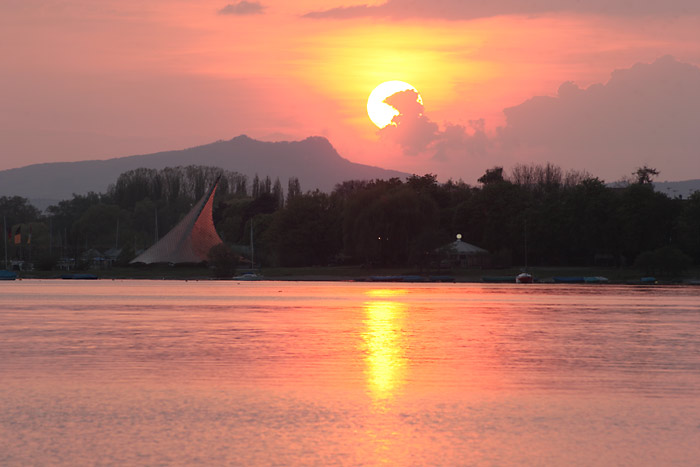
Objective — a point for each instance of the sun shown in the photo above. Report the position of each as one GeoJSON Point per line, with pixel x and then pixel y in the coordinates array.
{"type": "Point", "coordinates": [379, 111]}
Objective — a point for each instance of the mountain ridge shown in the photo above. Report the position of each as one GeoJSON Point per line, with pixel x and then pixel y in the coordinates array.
{"type": "Point", "coordinates": [313, 160]}
{"type": "Point", "coordinates": [683, 188]}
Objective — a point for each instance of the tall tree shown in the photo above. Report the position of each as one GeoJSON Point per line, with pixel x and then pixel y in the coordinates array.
{"type": "Point", "coordinates": [17, 209]}
{"type": "Point", "coordinates": [491, 176]}
{"type": "Point", "coordinates": [645, 175]}
{"type": "Point", "coordinates": [306, 232]}
{"type": "Point", "coordinates": [256, 187]}
{"type": "Point", "coordinates": [293, 188]}
{"type": "Point", "coordinates": [278, 193]}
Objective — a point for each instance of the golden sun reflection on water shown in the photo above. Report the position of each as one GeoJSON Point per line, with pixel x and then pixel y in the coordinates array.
{"type": "Point", "coordinates": [385, 347]}
{"type": "Point", "coordinates": [386, 293]}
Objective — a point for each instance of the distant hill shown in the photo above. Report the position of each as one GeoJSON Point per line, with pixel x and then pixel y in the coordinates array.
{"type": "Point", "coordinates": [683, 188]}
{"type": "Point", "coordinates": [674, 189]}
{"type": "Point", "coordinates": [313, 161]}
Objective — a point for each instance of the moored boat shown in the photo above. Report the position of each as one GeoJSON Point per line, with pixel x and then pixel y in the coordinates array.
{"type": "Point", "coordinates": [595, 280]}
{"type": "Point", "coordinates": [248, 276]}
{"type": "Point", "coordinates": [524, 278]}
{"type": "Point", "coordinates": [569, 279]}
{"type": "Point", "coordinates": [6, 275]}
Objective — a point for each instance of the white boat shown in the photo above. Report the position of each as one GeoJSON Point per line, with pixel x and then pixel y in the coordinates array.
{"type": "Point", "coordinates": [524, 278]}
{"type": "Point", "coordinates": [248, 276]}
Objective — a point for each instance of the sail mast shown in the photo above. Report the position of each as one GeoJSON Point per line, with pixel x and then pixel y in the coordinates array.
{"type": "Point", "coordinates": [252, 247]}
{"type": "Point", "coordinates": [4, 235]}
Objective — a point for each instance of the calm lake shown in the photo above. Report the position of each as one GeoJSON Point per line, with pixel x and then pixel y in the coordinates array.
{"type": "Point", "coordinates": [312, 373]}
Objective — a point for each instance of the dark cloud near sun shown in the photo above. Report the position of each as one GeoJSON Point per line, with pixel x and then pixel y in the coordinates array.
{"type": "Point", "coordinates": [242, 8]}
{"type": "Point", "coordinates": [412, 130]}
{"type": "Point", "coordinates": [472, 9]}
{"type": "Point", "coordinates": [418, 134]}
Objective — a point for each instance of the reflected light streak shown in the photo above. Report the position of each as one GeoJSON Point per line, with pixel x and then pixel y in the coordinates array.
{"type": "Point", "coordinates": [385, 348]}
{"type": "Point", "coordinates": [384, 293]}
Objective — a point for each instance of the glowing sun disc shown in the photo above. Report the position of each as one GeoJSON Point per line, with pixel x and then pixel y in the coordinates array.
{"type": "Point", "coordinates": [379, 111]}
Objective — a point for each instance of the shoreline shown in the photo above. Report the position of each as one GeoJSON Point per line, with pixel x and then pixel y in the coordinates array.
{"type": "Point", "coordinates": [543, 275]}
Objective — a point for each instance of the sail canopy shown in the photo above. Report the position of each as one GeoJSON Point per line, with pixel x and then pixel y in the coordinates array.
{"type": "Point", "coordinates": [190, 240]}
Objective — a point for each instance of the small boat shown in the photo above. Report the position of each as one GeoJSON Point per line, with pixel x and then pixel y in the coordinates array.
{"type": "Point", "coordinates": [569, 279]}
{"type": "Point", "coordinates": [6, 275]}
{"type": "Point", "coordinates": [524, 278]}
{"type": "Point", "coordinates": [248, 276]}
{"type": "Point", "coordinates": [649, 280]}
{"type": "Point", "coordinates": [595, 280]}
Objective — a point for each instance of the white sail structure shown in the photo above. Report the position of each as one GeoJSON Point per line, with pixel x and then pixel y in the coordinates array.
{"type": "Point", "coordinates": [190, 240]}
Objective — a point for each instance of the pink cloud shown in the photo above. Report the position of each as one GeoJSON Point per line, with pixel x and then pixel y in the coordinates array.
{"type": "Point", "coordinates": [242, 8]}
{"type": "Point", "coordinates": [646, 114]}
{"type": "Point", "coordinates": [471, 9]}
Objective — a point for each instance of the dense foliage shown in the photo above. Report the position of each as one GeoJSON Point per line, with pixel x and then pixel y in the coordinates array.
{"type": "Point", "coordinates": [537, 214]}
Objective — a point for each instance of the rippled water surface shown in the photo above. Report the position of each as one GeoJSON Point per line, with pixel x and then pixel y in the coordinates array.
{"type": "Point", "coordinates": [284, 373]}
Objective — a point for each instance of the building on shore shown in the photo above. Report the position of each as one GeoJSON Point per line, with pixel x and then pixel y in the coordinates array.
{"type": "Point", "coordinates": [459, 254]}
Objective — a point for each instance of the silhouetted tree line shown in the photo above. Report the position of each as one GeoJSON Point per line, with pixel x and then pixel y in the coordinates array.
{"type": "Point", "coordinates": [536, 214]}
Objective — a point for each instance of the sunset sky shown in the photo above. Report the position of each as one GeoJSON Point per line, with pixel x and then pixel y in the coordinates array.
{"type": "Point", "coordinates": [605, 86]}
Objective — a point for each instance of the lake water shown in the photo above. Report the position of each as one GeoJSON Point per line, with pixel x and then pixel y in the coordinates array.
{"type": "Point", "coordinates": [310, 373]}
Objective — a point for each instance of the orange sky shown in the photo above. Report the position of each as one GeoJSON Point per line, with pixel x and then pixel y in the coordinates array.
{"type": "Point", "coordinates": [86, 80]}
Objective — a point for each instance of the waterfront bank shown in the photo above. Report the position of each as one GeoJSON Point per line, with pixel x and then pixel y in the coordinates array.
{"type": "Point", "coordinates": [357, 273]}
